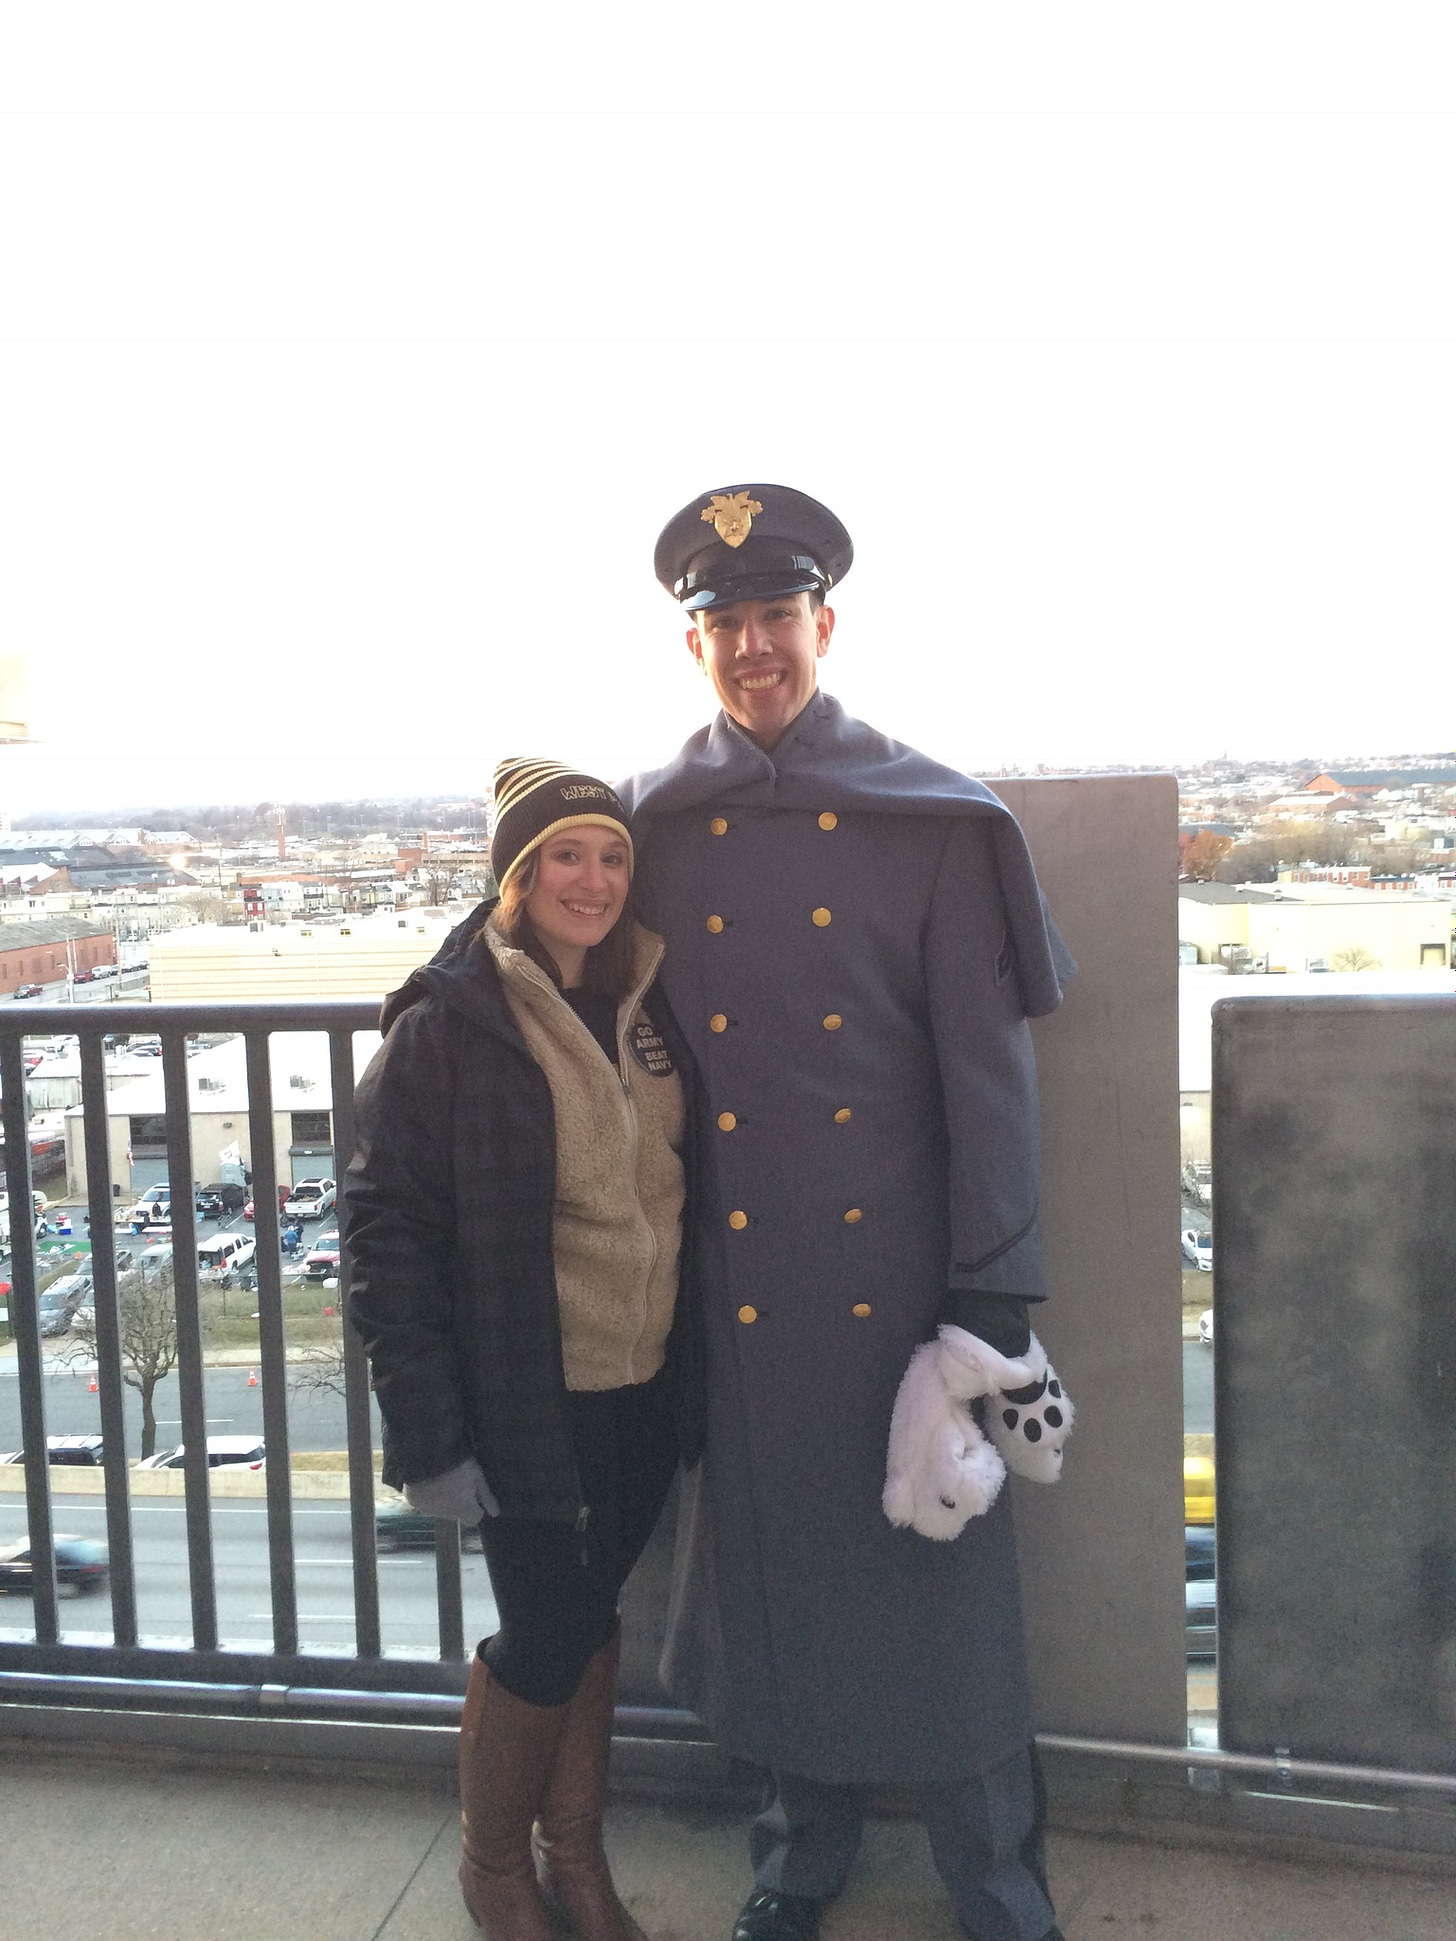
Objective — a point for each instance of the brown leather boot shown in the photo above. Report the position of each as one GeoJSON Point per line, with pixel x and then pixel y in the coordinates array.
{"type": "Point", "coordinates": [506, 1752]}
{"type": "Point", "coordinates": [569, 1856]}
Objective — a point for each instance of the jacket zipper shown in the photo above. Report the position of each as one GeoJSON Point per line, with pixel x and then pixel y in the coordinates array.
{"type": "Point", "coordinates": [624, 1018]}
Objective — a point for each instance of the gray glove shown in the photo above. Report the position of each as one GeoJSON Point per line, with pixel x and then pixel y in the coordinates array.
{"type": "Point", "coordinates": [461, 1495]}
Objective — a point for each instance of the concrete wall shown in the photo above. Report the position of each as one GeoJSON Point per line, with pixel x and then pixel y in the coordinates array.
{"type": "Point", "coordinates": [1335, 1397]}
{"type": "Point", "coordinates": [1102, 1552]}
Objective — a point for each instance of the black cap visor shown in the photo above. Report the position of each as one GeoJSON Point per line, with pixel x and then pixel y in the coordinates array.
{"type": "Point", "coordinates": [708, 585]}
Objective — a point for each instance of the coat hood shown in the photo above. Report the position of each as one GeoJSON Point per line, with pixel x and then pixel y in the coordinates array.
{"type": "Point", "coordinates": [829, 760]}
{"type": "Point", "coordinates": [453, 973]}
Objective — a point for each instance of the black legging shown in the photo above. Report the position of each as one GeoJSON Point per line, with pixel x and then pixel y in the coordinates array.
{"type": "Point", "coordinates": [556, 1589]}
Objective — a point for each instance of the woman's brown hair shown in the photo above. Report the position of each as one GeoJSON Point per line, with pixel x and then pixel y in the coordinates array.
{"type": "Point", "coordinates": [608, 964]}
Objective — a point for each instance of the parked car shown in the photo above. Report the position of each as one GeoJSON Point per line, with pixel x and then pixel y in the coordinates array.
{"type": "Point", "coordinates": [1198, 1490]}
{"type": "Point", "coordinates": [214, 1202]}
{"type": "Point", "coordinates": [148, 1197]}
{"type": "Point", "coordinates": [30, 990]}
{"type": "Point", "coordinates": [1198, 1249]}
{"type": "Point", "coordinates": [1200, 1592]}
{"type": "Point", "coordinates": [310, 1199]}
{"type": "Point", "coordinates": [223, 1452]}
{"type": "Point", "coordinates": [56, 1305]}
{"type": "Point", "coordinates": [321, 1263]}
{"type": "Point", "coordinates": [81, 1565]}
{"type": "Point", "coordinates": [227, 1253]}
{"type": "Point", "coordinates": [151, 1260]}
{"type": "Point", "coordinates": [71, 1452]}
{"type": "Point", "coordinates": [1205, 1327]}
{"type": "Point", "coordinates": [83, 977]}
{"type": "Point", "coordinates": [398, 1527]}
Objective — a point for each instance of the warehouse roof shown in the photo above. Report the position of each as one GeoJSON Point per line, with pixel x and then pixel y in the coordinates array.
{"type": "Point", "coordinates": [51, 930]}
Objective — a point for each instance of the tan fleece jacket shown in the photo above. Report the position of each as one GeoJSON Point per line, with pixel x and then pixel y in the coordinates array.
{"type": "Point", "coordinates": [619, 1180]}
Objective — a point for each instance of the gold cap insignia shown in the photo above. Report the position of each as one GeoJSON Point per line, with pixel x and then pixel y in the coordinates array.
{"type": "Point", "coordinates": [731, 516]}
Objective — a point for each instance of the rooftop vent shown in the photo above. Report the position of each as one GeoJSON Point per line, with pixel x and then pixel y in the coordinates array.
{"type": "Point", "coordinates": [300, 1083]}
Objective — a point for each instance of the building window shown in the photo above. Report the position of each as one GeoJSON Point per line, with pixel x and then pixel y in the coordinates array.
{"type": "Point", "coordinates": [312, 1129]}
{"type": "Point", "coordinates": [149, 1135]}
{"type": "Point", "coordinates": [1433, 956]}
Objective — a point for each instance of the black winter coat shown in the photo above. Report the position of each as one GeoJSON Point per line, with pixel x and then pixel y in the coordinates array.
{"type": "Point", "coordinates": [447, 1213]}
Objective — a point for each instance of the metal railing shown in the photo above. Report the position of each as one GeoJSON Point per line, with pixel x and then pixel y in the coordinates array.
{"type": "Point", "coordinates": [208, 1694]}
{"type": "Point", "coordinates": [129, 1658]}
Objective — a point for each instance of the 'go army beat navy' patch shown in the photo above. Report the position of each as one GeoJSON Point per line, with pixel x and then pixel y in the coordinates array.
{"type": "Point", "coordinates": [649, 1048]}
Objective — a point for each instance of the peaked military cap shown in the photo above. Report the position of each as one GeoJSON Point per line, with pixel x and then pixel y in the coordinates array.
{"type": "Point", "coordinates": [750, 542]}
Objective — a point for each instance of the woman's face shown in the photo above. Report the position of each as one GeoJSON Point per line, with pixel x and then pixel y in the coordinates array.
{"type": "Point", "coordinates": [581, 884]}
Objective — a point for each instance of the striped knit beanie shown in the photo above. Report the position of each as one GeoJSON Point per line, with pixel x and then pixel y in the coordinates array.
{"type": "Point", "coordinates": [536, 799]}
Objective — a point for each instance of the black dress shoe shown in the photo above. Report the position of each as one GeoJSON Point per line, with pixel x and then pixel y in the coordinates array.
{"type": "Point", "coordinates": [772, 1916]}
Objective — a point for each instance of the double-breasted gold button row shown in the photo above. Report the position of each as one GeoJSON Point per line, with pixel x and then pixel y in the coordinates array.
{"type": "Point", "coordinates": [727, 1121]}
{"type": "Point", "coordinates": [719, 824]}
{"type": "Point", "coordinates": [738, 1219]}
{"type": "Point", "coordinates": [748, 1315]}
{"type": "Point", "coordinates": [821, 918]}
{"type": "Point", "coordinates": [719, 1021]}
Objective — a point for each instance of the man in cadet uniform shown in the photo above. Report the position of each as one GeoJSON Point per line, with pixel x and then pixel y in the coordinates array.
{"type": "Point", "coordinates": [855, 941]}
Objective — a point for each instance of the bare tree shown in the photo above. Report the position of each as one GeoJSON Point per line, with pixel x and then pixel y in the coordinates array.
{"type": "Point", "coordinates": [319, 1370]}
{"type": "Point", "coordinates": [1354, 957]}
{"type": "Point", "coordinates": [146, 1307]}
{"type": "Point", "coordinates": [436, 880]}
{"type": "Point", "coordinates": [206, 905]}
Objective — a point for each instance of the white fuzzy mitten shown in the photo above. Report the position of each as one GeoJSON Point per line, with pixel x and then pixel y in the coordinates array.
{"type": "Point", "coordinates": [941, 1470]}
{"type": "Point", "coordinates": [1029, 1422]}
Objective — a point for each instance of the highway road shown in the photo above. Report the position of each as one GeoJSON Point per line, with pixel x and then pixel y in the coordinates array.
{"type": "Point", "coordinates": [132, 983]}
{"type": "Point", "coordinates": [315, 1421]}
{"type": "Point", "coordinates": [1197, 1389]}
{"type": "Point", "coordinates": [240, 1545]}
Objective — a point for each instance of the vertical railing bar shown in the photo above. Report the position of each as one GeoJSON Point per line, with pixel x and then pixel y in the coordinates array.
{"type": "Point", "coordinates": [368, 1635]}
{"type": "Point", "coordinates": [272, 1350]}
{"type": "Point", "coordinates": [108, 1336]}
{"type": "Point", "coordinates": [448, 1595]}
{"type": "Point", "coordinates": [190, 1382]}
{"type": "Point", "coordinates": [25, 1324]}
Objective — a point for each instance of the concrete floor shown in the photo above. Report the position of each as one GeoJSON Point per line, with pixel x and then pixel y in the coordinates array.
{"type": "Point", "coordinates": [131, 1852]}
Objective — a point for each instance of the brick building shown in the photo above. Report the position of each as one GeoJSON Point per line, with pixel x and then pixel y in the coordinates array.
{"type": "Point", "coordinates": [41, 952]}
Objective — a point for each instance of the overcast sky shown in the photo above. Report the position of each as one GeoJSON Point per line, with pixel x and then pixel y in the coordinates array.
{"type": "Point", "coordinates": [353, 357]}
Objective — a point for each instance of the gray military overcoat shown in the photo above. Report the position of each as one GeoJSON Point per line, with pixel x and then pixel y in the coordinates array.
{"type": "Point", "coordinates": [855, 940]}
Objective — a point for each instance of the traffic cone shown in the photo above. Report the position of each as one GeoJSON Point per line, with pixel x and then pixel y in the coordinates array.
{"type": "Point", "coordinates": [93, 1384]}
{"type": "Point", "coordinates": [252, 1378]}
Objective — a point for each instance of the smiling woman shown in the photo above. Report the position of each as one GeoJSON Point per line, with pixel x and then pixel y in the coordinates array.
{"type": "Point", "coordinates": [533, 1350]}
{"type": "Point", "coordinates": [570, 893]}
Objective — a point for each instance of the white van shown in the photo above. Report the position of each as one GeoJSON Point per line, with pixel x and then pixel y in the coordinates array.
{"type": "Point", "coordinates": [227, 1253]}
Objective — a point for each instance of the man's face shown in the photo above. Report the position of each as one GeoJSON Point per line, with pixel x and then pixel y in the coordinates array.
{"type": "Point", "coordinates": [762, 657]}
